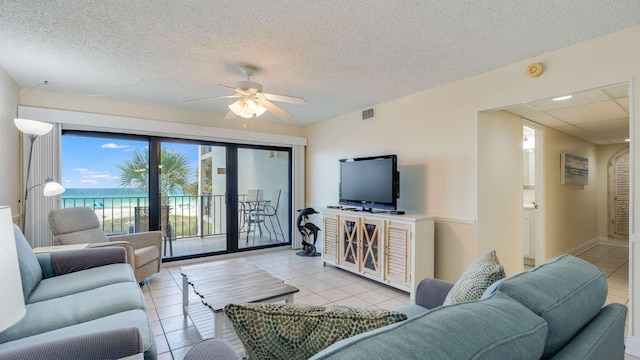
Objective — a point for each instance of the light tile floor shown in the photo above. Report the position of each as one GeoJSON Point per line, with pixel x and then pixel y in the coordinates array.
{"type": "Point", "coordinates": [320, 285]}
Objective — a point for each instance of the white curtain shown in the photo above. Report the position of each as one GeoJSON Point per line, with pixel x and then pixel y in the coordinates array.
{"type": "Point", "coordinates": [298, 192]}
{"type": "Point", "coordinates": [45, 163]}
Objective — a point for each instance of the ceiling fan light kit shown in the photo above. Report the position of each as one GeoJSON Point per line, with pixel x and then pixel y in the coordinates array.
{"type": "Point", "coordinates": [247, 108]}
{"type": "Point", "coordinates": [252, 102]}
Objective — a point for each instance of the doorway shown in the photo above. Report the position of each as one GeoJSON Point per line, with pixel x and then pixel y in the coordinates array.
{"type": "Point", "coordinates": [578, 124]}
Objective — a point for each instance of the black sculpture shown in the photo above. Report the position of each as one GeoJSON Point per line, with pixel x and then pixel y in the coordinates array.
{"type": "Point", "coordinates": [307, 230]}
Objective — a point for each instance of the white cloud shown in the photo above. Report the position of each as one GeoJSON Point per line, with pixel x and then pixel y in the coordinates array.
{"type": "Point", "coordinates": [114, 146]}
{"type": "Point", "coordinates": [67, 181]}
{"type": "Point", "coordinates": [103, 176]}
{"type": "Point", "coordinates": [81, 170]}
{"type": "Point", "coordinates": [88, 181]}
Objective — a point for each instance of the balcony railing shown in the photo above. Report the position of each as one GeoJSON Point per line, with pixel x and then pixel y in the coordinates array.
{"type": "Point", "coordinates": [188, 216]}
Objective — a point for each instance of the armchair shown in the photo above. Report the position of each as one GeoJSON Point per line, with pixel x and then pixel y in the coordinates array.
{"type": "Point", "coordinates": [80, 225]}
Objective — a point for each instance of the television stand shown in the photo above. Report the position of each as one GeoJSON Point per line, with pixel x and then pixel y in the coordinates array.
{"type": "Point", "coordinates": [397, 250]}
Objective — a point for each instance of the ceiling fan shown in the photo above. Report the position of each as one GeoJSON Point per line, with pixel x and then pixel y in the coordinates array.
{"type": "Point", "coordinates": [251, 100]}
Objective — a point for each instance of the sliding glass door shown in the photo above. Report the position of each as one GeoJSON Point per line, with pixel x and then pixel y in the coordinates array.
{"type": "Point", "coordinates": [193, 216]}
{"type": "Point", "coordinates": [264, 196]}
{"type": "Point", "coordinates": [205, 198]}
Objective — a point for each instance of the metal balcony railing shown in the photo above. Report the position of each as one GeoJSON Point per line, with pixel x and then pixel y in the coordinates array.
{"type": "Point", "coordinates": [189, 216]}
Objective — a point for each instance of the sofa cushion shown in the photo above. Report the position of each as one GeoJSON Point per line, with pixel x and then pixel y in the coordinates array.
{"type": "Point", "coordinates": [63, 285]}
{"type": "Point", "coordinates": [132, 318]}
{"type": "Point", "coordinates": [292, 331]}
{"type": "Point", "coordinates": [30, 270]}
{"type": "Point", "coordinates": [566, 291]}
{"type": "Point", "coordinates": [48, 315]}
{"type": "Point", "coordinates": [481, 274]}
{"type": "Point", "coordinates": [495, 328]}
{"type": "Point", "coordinates": [146, 255]}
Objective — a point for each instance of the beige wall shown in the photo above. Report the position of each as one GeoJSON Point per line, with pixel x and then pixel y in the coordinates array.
{"type": "Point", "coordinates": [605, 152]}
{"type": "Point", "coordinates": [434, 134]}
{"type": "Point", "coordinates": [500, 184]}
{"type": "Point", "coordinates": [9, 135]}
{"type": "Point", "coordinates": [571, 211]}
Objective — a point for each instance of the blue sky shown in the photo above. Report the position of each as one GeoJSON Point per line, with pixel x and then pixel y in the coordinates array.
{"type": "Point", "coordinates": [89, 162]}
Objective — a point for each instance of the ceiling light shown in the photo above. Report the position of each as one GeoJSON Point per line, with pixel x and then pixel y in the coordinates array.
{"type": "Point", "coordinates": [247, 107]}
{"type": "Point", "coordinates": [560, 98]}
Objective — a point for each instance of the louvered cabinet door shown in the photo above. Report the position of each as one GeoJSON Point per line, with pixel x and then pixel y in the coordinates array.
{"type": "Point", "coordinates": [397, 265]}
{"type": "Point", "coordinates": [618, 195]}
{"type": "Point", "coordinates": [349, 242]}
{"type": "Point", "coordinates": [371, 243]}
{"type": "Point", "coordinates": [330, 239]}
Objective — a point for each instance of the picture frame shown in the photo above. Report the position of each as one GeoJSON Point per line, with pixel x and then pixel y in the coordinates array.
{"type": "Point", "coordinates": [574, 170]}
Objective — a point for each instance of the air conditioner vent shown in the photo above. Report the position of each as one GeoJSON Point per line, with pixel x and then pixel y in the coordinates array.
{"type": "Point", "coordinates": [369, 113]}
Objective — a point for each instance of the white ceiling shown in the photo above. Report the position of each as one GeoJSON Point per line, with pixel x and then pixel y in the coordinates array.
{"type": "Point", "coordinates": [600, 116]}
{"type": "Point", "coordinates": [341, 56]}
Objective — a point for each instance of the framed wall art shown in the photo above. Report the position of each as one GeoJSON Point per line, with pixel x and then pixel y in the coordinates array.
{"type": "Point", "coordinates": [574, 170]}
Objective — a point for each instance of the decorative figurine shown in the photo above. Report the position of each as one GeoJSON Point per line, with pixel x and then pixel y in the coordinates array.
{"type": "Point", "coordinates": [307, 230]}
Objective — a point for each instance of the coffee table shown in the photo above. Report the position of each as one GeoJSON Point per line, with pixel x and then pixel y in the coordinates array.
{"type": "Point", "coordinates": [235, 281]}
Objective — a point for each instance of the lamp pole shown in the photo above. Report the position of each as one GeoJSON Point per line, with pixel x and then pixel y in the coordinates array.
{"type": "Point", "coordinates": [32, 139]}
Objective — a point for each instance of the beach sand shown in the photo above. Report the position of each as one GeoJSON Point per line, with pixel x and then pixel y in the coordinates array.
{"type": "Point", "coordinates": [106, 214]}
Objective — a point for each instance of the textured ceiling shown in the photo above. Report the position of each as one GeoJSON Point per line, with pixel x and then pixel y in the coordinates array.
{"type": "Point", "coordinates": [340, 56]}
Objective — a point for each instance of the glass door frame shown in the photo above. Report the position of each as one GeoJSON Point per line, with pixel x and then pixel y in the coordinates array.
{"type": "Point", "coordinates": [231, 193]}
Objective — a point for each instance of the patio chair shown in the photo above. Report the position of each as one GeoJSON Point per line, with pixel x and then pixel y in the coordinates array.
{"type": "Point", "coordinates": [270, 211]}
{"type": "Point", "coordinates": [248, 207]}
{"type": "Point", "coordinates": [80, 225]}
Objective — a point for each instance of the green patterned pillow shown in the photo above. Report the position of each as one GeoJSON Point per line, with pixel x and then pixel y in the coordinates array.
{"type": "Point", "coordinates": [295, 331]}
{"type": "Point", "coordinates": [476, 279]}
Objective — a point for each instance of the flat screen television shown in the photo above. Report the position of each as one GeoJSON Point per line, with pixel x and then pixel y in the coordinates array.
{"type": "Point", "coordinates": [370, 182]}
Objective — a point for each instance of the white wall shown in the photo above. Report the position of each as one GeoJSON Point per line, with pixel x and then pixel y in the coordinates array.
{"type": "Point", "coordinates": [9, 135]}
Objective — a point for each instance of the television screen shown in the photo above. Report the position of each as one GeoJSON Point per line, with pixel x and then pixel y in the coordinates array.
{"type": "Point", "coordinates": [370, 182]}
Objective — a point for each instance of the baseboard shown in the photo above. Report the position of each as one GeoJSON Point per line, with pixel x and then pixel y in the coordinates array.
{"type": "Point", "coordinates": [632, 346]}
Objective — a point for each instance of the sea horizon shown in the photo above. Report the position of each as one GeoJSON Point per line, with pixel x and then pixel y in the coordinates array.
{"type": "Point", "coordinates": [106, 197]}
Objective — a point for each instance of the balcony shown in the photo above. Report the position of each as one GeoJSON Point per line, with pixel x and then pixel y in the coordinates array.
{"type": "Point", "coordinates": [193, 224]}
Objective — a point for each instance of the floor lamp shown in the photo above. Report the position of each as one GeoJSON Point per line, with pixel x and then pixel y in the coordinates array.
{"type": "Point", "coordinates": [11, 298]}
{"type": "Point", "coordinates": [34, 129]}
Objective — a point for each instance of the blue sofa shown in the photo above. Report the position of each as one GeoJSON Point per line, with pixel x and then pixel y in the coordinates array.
{"type": "Point", "coordinates": [554, 311]}
{"type": "Point", "coordinates": [80, 304]}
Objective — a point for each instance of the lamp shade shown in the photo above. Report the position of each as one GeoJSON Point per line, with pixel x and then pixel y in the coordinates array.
{"type": "Point", "coordinates": [52, 188]}
{"type": "Point", "coordinates": [12, 307]}
{"type": "Point", "coordinates": [32, 127]}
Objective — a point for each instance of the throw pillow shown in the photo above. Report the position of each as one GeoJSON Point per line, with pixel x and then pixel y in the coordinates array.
{"type": "Point", "coordinates": [295, 331]}
{"type": "Point", "coordinates": [476, 279]}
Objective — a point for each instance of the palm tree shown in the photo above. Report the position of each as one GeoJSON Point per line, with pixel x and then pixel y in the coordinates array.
{"type": "Point", "coordinates": [174, 171]}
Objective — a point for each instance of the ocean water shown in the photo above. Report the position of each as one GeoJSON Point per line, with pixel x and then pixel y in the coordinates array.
{"type": "Point", "coordinates": [108, 197]}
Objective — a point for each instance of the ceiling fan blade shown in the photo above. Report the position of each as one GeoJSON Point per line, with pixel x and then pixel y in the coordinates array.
{"type": "Point", "coordinates": [278, 111]}
{"type": "Point", "coordinates": [285, 98]}
{"type": "Point", "coordinates": [212, 98]}
{"type": "Point", "coordinates": [227, 86]}
{"type": "Point", "coordinates": [230, 115]}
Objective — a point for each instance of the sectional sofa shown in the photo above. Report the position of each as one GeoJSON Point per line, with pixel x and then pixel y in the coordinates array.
{"type": "Point", "coordinates": [80, 304]}
{"type": "Point", "coordinates": [554, 311]}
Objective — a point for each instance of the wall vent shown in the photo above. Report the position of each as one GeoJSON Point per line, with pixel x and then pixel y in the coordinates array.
{"type": "Point", "coordinates": [368, 114]}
